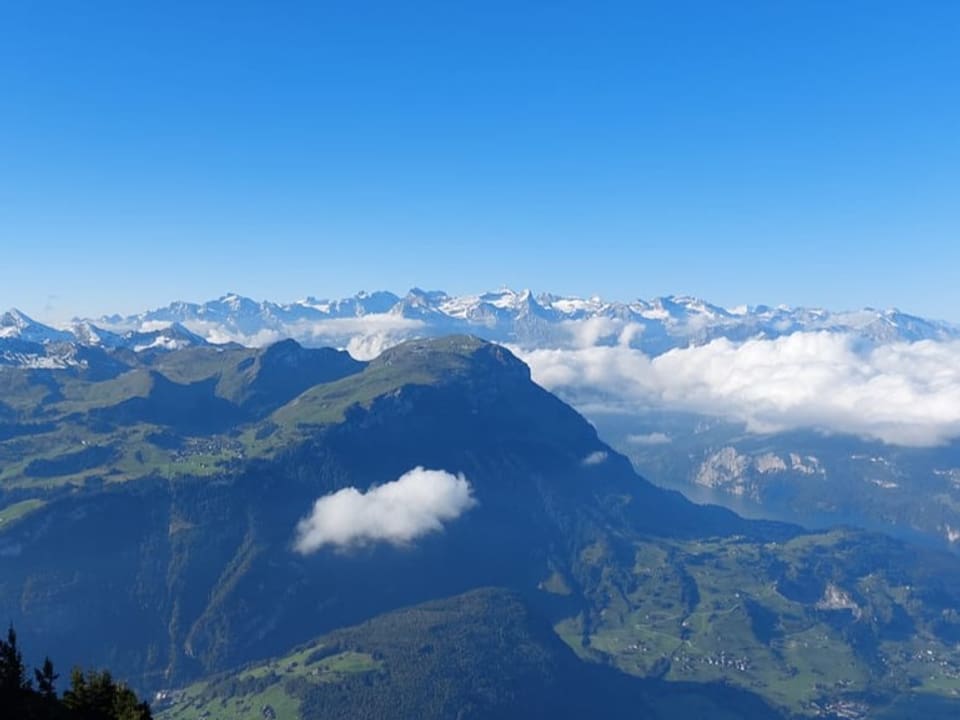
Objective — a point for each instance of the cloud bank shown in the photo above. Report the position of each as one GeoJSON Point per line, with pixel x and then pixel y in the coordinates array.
{"type": "Point", "coordinates": [364, 337]}
{"type": "Point", "coordinates": [900, 393]}
{"type": "Point", "coordinates": [654, 438]}
{"type": "Point", "coordinates": [417, 503]}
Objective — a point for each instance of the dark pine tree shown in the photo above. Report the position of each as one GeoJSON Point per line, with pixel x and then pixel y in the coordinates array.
{"type": "Point", "coordinates": [46, 680]}
{"type": "Point", "coordinates": [91, 696]}
{"type": "Point", "coordinates": [95, 696]}
{"type": "Point", "coordinates": [14, 685]}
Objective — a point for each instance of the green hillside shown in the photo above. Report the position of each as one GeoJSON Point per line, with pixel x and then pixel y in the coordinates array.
{"type": "Point", "coordinates": [147, 523]}
{"type": "Point", "coordinates": [479, 655]}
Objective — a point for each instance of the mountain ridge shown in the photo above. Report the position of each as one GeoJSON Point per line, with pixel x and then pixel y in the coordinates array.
{"type": "Point", "coordinates": [182, 550]}
{"type": "Point", "coordinates": [366, 323]}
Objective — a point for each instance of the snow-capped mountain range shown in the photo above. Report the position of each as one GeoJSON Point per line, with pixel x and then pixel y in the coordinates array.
{"type": "Point", "coordinates": [24, 342]}
{"type": "Point", "coordinates": [368, 322]}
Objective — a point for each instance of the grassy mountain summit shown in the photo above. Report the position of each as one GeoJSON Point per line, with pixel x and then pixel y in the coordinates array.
{"type": "Point", "coordinates": [151, 517]}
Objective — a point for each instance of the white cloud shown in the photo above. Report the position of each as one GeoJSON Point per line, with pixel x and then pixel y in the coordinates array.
{"type": "Point", "coordinates": [417, 503]}
{"type": "Point", "coordinates": [219, 334]}
{"type": "Point", "coordinates": [364, 337]}
{"type": "Point", "coordinates": [900, 393]}
{"type": "Point", "coordinates": [369, 346]}
{"type": "Point", "coordinates": [601, 331]}
{"type": "Point", "coordinates": [595, 458]}
{"type": "Point", "coordinates": [154, 325]}
{"type": "Point", "coordinates": [654, 438]}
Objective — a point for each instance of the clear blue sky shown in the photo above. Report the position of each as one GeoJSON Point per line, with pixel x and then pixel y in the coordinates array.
{"type": "Point", "coordinates": [763, 152]}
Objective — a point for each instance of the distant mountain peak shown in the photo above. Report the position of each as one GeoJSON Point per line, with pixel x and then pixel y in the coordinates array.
{"type": "Point", "coordinates": [370, 321]}
{"type": "Point", "coordinates": [15, 317]}
{"type": "Point", "coordinates": [17, 325]}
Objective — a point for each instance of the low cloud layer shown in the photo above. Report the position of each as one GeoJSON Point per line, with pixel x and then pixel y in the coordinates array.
{"type": "Point", "coordinates": [654, 438]}
{"type": "Point", "coordinates": [899, 393]}
{"type": "Point", "coordinates": [364, 337]}
{"type": "Point", "coordinates": [417, 503]}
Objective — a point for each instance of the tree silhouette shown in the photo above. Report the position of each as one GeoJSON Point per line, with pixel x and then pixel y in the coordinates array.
{"type": "Point", "coordinates": [46, 680]}
{"type": "Point", "coordinates": [14, 684]}
{"type": "Point", "coordinates": [93, 695]}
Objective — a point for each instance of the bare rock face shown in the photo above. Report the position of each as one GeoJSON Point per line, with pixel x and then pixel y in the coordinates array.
{"type": "Point", "coordinates": [725, 470]}
{"type": "Point", "coordinates": [834, 598]}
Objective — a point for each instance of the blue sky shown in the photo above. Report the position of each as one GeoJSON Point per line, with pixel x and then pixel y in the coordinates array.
{"type": "Point", "coordinates": [759, 152]}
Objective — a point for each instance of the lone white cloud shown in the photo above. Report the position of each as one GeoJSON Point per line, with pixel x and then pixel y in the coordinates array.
{"type": "Point", "coordinates": [900, 393]}
{"type": "Point", "coordinates": [597, 457]}
{"type": "Point", "coordinates": [419, 502]}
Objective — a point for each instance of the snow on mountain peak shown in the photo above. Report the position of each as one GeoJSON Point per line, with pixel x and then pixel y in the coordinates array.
{"type": "Point", "coordinates": [16, 321]}
{"type": "Point", "coordinates": [520, 317]}
{"type": "Point", "coordinates": [371, 321]}
{"type": "Point", "coordinates": [15, 324]}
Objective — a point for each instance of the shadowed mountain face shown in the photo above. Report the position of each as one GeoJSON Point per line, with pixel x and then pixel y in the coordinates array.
{"type": "Point", "coordinates": [483, 654]}
{"type": "Point", "coordinates": [889, 461]}
{"type": "Point", "coordinates": [173, 555]}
